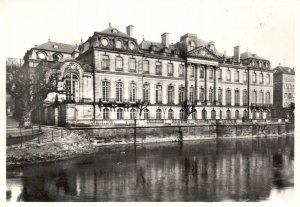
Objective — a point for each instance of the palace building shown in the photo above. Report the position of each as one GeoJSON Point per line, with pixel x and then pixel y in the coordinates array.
{"type": "Point", "coordinates": [111, 76]}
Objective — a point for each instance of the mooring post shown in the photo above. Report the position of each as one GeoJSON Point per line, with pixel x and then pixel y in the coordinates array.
{"type": "Point", "coordinates": [61, 133]}
{"type": "Point", "coordinates": [52, 135]}
{"type": "Point", "coordinates": [134, 131]}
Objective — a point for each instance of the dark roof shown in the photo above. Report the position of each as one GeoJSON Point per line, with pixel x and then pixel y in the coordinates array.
{"type": "Point", "coordinates": [113, 31]}
{"type": "Point", "coordinates": [247, 55]}
{"type": "Point", "coordinates": [56, 47]}
{"type": "Point", "coordinates": [145, 45]}
{"type": "Point", "coordinates": [284, 70]}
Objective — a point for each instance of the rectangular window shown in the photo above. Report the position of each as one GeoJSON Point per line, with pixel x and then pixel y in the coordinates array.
{"type": "Point", "coordinates": [119, 63]}
{"type": "Point", "coordinates": [158, 68]}
{"type": "Point", "coordinates": [201, 73]}
{"type": "Point", "coordinates": [105, 63]}
{"type": "Point", "coordinates": [220, 74]}
{"type": "Point", "coordinates": [146, 66]}
{"type": "Point", "coordinates": [170, 69]}
{"type": "Point", "coordinates": [228, 75]}
{"type": "Point", "coordinates": [181, 70]}
{"type": "Point", "coordinates": [132, 65]}
{"type": "Point", "coordinates": [192, 74]}
{"type": "Point", "coordinates": [245, 77]}
{"type": "Point", "coordinates": [211, 73]}
{"type": "Point", "coordinates": [236, 76]}
{"type": "Point", "coordinates": [158, 94]}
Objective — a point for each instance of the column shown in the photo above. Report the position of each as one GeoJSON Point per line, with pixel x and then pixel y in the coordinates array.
{"type": "Point", "coordinates": [196, 84]}
{"type": "Point", "coordinates": [205, 84]}
{"type": "Point", "coordinates": [215, 85]}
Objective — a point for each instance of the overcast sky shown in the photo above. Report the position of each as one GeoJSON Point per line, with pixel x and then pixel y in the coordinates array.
{"type": "Point", "coordinates": [265, 27]}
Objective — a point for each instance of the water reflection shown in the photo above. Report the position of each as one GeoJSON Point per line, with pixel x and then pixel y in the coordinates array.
{"type": "Point", "coordinates": [237, 170]}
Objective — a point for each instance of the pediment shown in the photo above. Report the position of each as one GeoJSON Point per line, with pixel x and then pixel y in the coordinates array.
{"type": "Point", "coordinates": [202, 52]}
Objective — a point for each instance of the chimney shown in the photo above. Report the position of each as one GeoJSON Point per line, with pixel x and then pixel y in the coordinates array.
{"type": "Point", "coordinates": [129, 30]}
{"type": "Point", "coordinates": [236, 53]}
{"type": "Point", "coordinates": [165, 39]}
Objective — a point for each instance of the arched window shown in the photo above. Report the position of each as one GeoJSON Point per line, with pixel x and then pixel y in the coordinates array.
{"type": "Point", "coordinates": [132, 114]}
{"type": "Point", "coordinates": [261, 97]}
{"type": "Point", "coordinates": [170, 114]}
{"type": "Point", "coordinates": [268, 79]}
{"type": "Point", "coordinates": [204, 114]}
{"type": "Point", "coordinates": [146, 114]}
{"type": "Point", "coordinates": [221, 114]}
{"type": "Point", "coordinates": [213, 114]}
{"type": "Point", "coordinates": [211, 94]}
{"type": "Point", "coordinates": [146, 92]}
{"type": "Point", "coordinates": [132, 92]}
{"type": "Point", "coordinates": [254, 77]}
{"type": "Point", "coordinates": [228, 97]}
{"type": "Point", "coordinates": [268, 97]}
{"type": "Point", "coordinates": [181, 114]}
{"type": "Point", "coordinates": [158, 114]}
{"type": "Point", "coordinates": [201, 96]}
{"type": "Point", "coordinates": [120, 113]}
{"type": "Point", "coordinates": [194, 114]}
{"type": "Point", "coordinates": [105, 114]}
{"type": "Point", "coordinates": [170, 94]}
{"type": "Point", "coordinates": [181, 94]}
{"type": "Point", "coordinates": [192, 92]}
{"type": "Point", "coordinates": [228, 114]}
{"type": "Point", "coordinates": [245, 97]}
{"type": "Point", "coordinates": [105, 90]}
{"type": "Point", "coordinates": [254, 97]}
{"type": "Point", "coordinates": [261, 78]}
{"type": "Point", "coordinates": [158, 94]}
{"type": "Point", "coordinates": [119, 91]}
{"type": "Point", "coordinates": [170, 69]}
{"type": "Point", "coordinates": [237, 114]}
{"type": "Point", "coordinates": [245, 114]}
{"type": "Point", "coordinates": [220, 95]}
{"type": "Point", "coordinates": [237, 97]}
{"type": "Point", "coordinates": [72, 86]}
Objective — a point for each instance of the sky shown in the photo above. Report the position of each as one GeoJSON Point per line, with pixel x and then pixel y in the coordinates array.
{"type": "Point", "coordinates": [264, 27]}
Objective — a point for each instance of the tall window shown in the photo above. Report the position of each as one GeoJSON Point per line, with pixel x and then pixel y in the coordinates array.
{"type": "Point", "coordinates": [192, 74]}
{"type": "Point", "coordinates": [170, 94]}
{"type": "Point", "coordinates": [146, 66]}
{"type": "Point", "coordinates": [228, 97]}
{"type": "Point", "coordinates": [220, 74]}
{"type": "Point", "coordinates": [254, 97]}
{"type": "Point", "coordinates": [158, 68]}
{"type": "Point", "coordinates": [132, 65]}
{"type": "Point", "coordinates": [236, 76]}
{"type": "Point", "coordinates": [146, 114]}
{"type": "Point", "coordinates": [211, 94]}
{"type": "Point", "coordinates": [132, 114]}
{"type": "Point", "coordinates": [211, 73]}
{"type": "Point", "coordinates": [204, 114]}
{"type": "Point", "coordinates": [245, 114]}
{"type": "Point", "coordinates": [105, 62]}
{"type": "Point", "coordinates": [181, 70]}
{"type": "Point", "coordinates": [146, 92]}
{"type": "Point", "coordinates": [261, 97]}
{"type": "Point", "coordinates": [120, 114]}
{"type": "Point", "coordinates": [220, 95]}
{"type": "Point", "coordinates": [105, 90]}
{"type": "Point", "coordinates": [119, 63]}
{"type": "Point", "coordinates": [228, 75]}
{"type": "Point", "coordinates": [237, 97]}
{"type": "Point", "coordinates": [213, 114]}
{"type": "Point", "coordinates": [181, 114]}
{"type": "Point", "coordinates": [170, 69]}
{"type": "Point", "coordinates": [119, 92]}
{"type": "Point", "coordinates": [158, 94]}
{"type": "Point", "coordinates": [261, 78]}
{"type": "Point", "coordinates": [170, 114]}
{"type": "Point", "coordinates": [118, 44]}
{"type": "Point", "coordinates": [237, 114]}
{"type": "Point", "coordinates": [268, 79]}
{"type": "Point", "coordinates": [228, 114]}
{"type": "Point", "coordinates": [192, 92]}
{"type": "Point", "coordinates": [201, 72]}
{"type": "Point", "coordinates": [221, 114]}
{"type": "Point", "coordinates": [245, 76]}
{"type": "Point", "coordinates": [192, 45]}
{"type": "Point", "coordinates": [106, 114]}
{"type": "Point", "coordinates": [254, 77]}
{"type": "Point", "coordinates": [181, 94]}
{"type": "Point", "coordinates": [132, 92]}
{"type": "Point", "coordinates": [245, 97]}
{"type": "Point", "coordinates": [201, 95]}
{"type": "Point", "coordinates": [72, 86]}
{"type": "Point", "coordinates": [158, 114]}
{"type": "Point", "coordinates": [194, 114]}
{"type": "Point", "coordinates": [268, 97]}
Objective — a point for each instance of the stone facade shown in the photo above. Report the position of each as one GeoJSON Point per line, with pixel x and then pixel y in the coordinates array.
{"type": "Point", "coordinates": [110, 75]}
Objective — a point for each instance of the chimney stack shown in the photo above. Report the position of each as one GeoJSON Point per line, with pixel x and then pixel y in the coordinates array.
{"type": "Point", "coordinates": [129, 30]}
{"type": "Point", "coordinates": [236, 53]}
{"type": "Point", "coordinates": [165, 39]}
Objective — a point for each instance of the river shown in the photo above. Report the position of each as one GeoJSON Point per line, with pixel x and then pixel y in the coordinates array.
{"type": "Point", "coordinates": [224, 170]}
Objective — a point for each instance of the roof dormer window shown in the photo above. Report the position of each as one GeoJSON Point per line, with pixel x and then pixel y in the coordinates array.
{"type": "Point", "coordinates": [55, 46]}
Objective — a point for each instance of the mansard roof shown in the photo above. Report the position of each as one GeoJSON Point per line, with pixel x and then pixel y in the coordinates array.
{"type": "Point", "coordinates": [145, 45]}
{"type": "Point", "coordinates": [284, 70]}
{"type": "Point", "coordinates": [56, 47]}
{"type": "Point", "coordinates": [247, 55]}
{"type": "Point", "coordinates": [114, 32]}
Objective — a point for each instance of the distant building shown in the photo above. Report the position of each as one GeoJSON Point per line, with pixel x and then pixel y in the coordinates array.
{"type": "Point", "coordinates": [284, 88]}
{"type": "Point", "coordinates": [106, 76]}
